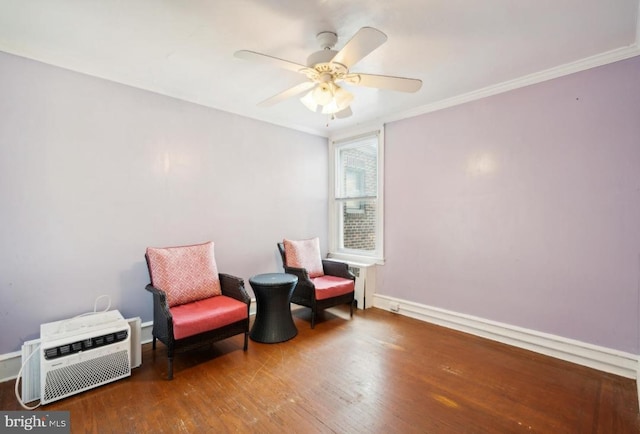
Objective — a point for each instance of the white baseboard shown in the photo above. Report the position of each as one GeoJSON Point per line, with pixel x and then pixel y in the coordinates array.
{"type": "Point", "coordinates": [10, 365]}
{"type": "Point", "coordinates": [146, 337]}
{"type": "Point", "coordinates": [593, 356]}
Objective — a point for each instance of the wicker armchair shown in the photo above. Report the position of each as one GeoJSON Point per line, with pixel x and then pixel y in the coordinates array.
{"type": "Point", "coordinates": [184, 315]}
{"type": "Point", "coordinates": [313, 292]}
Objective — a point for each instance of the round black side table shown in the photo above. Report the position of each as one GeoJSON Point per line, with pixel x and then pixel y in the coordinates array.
{"type": "Point", "coordinates": [273, 322]}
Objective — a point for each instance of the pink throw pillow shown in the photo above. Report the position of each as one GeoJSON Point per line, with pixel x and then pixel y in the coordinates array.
{"type": "Point", "coordinates": [185, 273]}
{"type": "Point", "coordinates": [304, 254]}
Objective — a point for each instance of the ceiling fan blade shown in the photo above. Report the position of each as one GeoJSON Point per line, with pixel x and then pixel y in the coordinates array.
{"type": "Point", "coordinates": [344, 113]}
{"type": "Point", "coordinates": [292, 91]}
{"type": "Point", "coordinates": [400, 84]}
{"type": "Point", "coordinates": [362, 43]}
{"type": "Point", "coordinates": [269, 60]}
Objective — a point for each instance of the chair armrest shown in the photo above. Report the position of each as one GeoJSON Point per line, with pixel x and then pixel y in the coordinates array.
{"type": "Point", "coordinates": [233, 287]}
{"type": "Point", "coordinates": [338, 269]}
{"type": "Point", "coordinates": [301, 273]}
{"type": "Point", "coordinates": [162, 318]}
{"type": "Point", "coordinates": [305, 289]}
{"type": "Point", "coordinates": [159, 299]}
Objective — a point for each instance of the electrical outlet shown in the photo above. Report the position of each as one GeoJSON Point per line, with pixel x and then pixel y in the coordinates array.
{"type": "Point", "coordinates": [394, 307]}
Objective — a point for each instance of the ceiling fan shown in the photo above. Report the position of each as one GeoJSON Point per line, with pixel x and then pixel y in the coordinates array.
{"type": "Point", "coordinates": [327, 68]}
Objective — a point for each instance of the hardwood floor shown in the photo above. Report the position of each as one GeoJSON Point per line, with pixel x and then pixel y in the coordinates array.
{"type": "Point", "coordinates": [378, 373]}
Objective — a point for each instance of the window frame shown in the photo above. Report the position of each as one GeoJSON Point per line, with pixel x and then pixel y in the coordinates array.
{"type": "Point", "coordinates": [335, 229]}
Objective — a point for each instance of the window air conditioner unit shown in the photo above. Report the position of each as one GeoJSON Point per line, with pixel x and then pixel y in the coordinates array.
{"type": "Point", "coordinates": [78, 354]}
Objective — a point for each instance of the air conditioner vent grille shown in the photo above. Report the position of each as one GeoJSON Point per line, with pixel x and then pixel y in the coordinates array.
{"type": "Point", "coordinates": [85, 375]}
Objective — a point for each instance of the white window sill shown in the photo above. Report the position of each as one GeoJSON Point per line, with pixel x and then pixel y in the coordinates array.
{"type": "Point", "coordinates": [356, 259]}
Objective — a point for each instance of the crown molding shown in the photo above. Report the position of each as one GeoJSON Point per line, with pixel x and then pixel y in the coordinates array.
{"type": "Point", "coordinates": [537, 77]}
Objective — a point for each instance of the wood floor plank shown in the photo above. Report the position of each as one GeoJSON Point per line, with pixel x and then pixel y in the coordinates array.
{"type": "Point", "coordinates": [376, 373]}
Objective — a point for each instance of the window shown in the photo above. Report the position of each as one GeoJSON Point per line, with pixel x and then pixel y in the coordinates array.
{"type": "Point", "coordinates": [356, 201]}
{"type": "Point", "coordinates": [354, 183]}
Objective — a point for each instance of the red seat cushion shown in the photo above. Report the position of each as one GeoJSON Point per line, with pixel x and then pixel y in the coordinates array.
{"type": "Point", "coordinates": [204, 315]}
{"type": "Point", "coordinates": [332, 286]}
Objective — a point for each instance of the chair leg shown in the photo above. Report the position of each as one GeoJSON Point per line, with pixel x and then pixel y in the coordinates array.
{"type": "Point", "coordinates": [153, 345]}
{"type": "Point", "coordinates": [170, 369]}
{"type": "Point", "coordinates": [246, 340]}
{"type": "Point", "coordinates": [313, 318]}
{"type": "Point", "coordinates": [351, 309]}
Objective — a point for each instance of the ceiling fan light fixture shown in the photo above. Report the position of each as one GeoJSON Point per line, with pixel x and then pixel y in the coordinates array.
{"type": "Point", "coordinates": [322, 93]}
{"type": "Point", "coordinates": [327, 98]}
{"type": "Point", "coordinates": [309, 102]}
{"type": "Point", "coordinates": [330, 109]}
{"type": "Point", "coordinates": [342, 97]}
{"type": "Point", "coordinates": [340, 101]}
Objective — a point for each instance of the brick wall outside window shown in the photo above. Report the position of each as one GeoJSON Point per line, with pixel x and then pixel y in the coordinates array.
{"type": "Point", "coordinates": [359, 224]}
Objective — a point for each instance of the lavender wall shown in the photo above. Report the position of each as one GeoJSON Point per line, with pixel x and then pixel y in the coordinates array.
{"type": "Point", "coordinates": [523, 208]}
{"type": "Point", "coordinates": [92, 172]}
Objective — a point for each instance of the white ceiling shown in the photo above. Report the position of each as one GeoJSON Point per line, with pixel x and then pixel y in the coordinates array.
{"type": "Point", "coordinates": [460, 49]}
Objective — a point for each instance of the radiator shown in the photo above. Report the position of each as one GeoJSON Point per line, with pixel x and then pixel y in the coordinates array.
{"type": "Point", "coordinates": [365, 283]}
